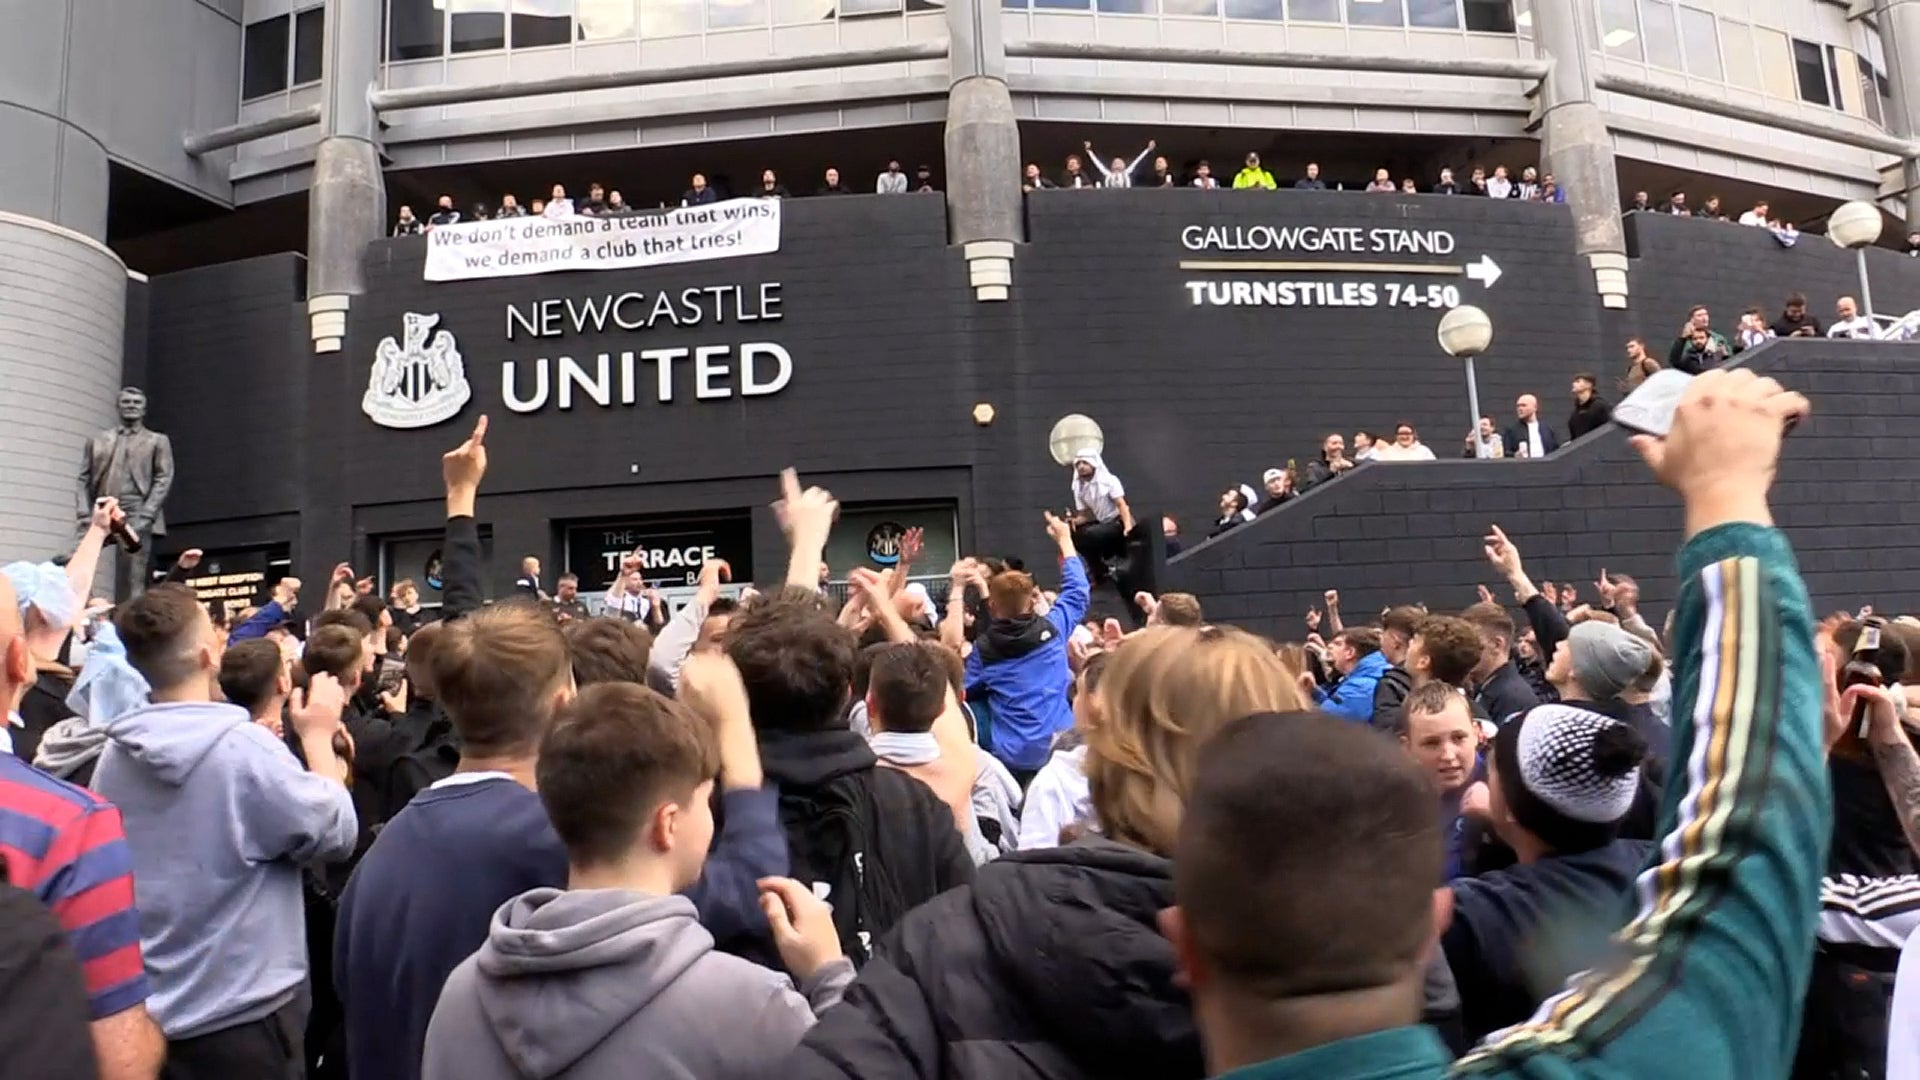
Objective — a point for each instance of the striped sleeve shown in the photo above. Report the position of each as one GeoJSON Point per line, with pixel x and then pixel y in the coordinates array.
{"type": "Point", "coordinates": [1710, 971]}
{"type": "Point", "coordinates": [92, 895]}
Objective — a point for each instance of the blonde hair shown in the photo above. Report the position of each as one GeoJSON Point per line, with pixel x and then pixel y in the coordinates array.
{"type": "Point", "coordinates": [1166, 691]}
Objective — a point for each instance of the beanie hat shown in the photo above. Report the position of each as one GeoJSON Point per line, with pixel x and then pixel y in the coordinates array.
{"type": "Point", "coordinates": [1568, 775]}
{"type": "Point", "coordinates": [1271, 475]}
{"type": "Point", "coordinates": [1606, 659]}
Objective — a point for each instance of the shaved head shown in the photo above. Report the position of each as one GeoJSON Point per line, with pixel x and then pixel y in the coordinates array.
{"type": "Point", "coordinates": [1527, 406]}
{"type": "Point", "coordinates": [16, 662]}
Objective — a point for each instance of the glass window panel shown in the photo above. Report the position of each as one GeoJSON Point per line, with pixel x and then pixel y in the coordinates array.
{"type": "Point", "coordinates": [1846, 72]}
{"type": "Point", "coordinates": [1869, 91]}
{"type": "Point", "coordinates": [1833, 76]}
{"type": "Point", "coordinates": [670, 18]}
{"type": "Point", "coordinates": [803, 12]}
{"type": "Point", "coordinates": [1020, 5]}
{"type": "Point", "coordinates": [416, 29]}
{"type": "Point", "coordinates": [1736, 47]}
{"type": "Point", "coordinates": [1523, 18]}
{"type": "Point", "coordinates": [1810, 73]}
{"type": "Point", "coordinates": [1063, 5]}
{"type": "Point", "coordinates": [603, 20]}
{"type": "Point", "coordinates": [309, 45]}
{"type": "Point", "coordinates": [1658, 35]}
{"type": "Point", "coordinates": [1620, 29]}
{"type": "Point", "coordinates": [1489, 16]}
{"type": "Point", "coordinates": [1776, 62]}
{"type": "Point", "coordinates": [1320, 11]}
{"type": "Point", "coordinates": [1442, 14]}
{"type": "Point", "coordinates": [542, 22]}
{"type": "Point", "coordinates": [734, 14]}
{"type": "Point", "coordinates": [1190, 7]}
{"type": "Point", "coordinates": [477, 25]}
{"type": "Point", "coordinates": [868, 7]}
{"type": "Point", "coordinates": [1126, 7]}
{"type": "Point", "coordinates": [1375, 13]}
{"type": "Point", "coordinates": [263, 69]}
{"type": "Point", "coordinates": [1702, 45]}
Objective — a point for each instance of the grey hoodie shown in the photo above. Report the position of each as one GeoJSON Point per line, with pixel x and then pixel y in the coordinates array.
{"type": "Point", "coordinates": [218, 814]}
{"type": "Point", "coordinates": [605, 984]}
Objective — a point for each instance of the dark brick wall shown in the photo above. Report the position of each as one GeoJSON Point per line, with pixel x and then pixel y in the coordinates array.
{"type": "Point", "coordinates": [1400, 533]}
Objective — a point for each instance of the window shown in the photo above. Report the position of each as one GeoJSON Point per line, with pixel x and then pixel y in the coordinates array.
{"type": "Point", "coordinates": [1489, 16]}
{"type": "Point", "coordinates": [1776, 62]}
{"type": "Point", "coordinates": [1702, 45]}
{"type": "Point", "coordinates": [1264, 10]}
{"type": "Point", "coordinates": [1736, 40]}
{"type": "Point", "coordinates": [1441, 14]}
{"type": "Point", "coordinates": [416, 29]}
{"type": "Point", "coordinates": [542, 22]}
{"type": "Point", "coordinates": [736, 14]}
{"type": "Point", "coordinates": [1870, 91]}
{"type": "Point", "coordinates": [1846, 78]}
{"type": "Point", "coordinates": [1810, 73]}
{"type": "Point", "coordinates": [603, 20]}
{"type": "Point", "coordinates": [263, 68]}
{"type": "Point", "coordinates": [477, 26]}
{"type": "Point", "coordinates": [1375, 13]}
{"type": "Point", "coordinates": [309, 45]}
{"type": "Point", "coordinates": [1320, 11]}
{"type": "Point", "coordinates": [670, 18]}
{"type": "Point", "coordinates": [1190, 7]}
{"type": "Point", "coordinates": [1620, 29]}
{"type": "Point", "coordinates": [1659, 35]}
{"type": "Point", "coordinates": [1112, 7]}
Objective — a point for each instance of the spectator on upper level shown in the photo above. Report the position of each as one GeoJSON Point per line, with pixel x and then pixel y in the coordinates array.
{"type": "Point", "coordinates": [1170, 529]}
{"type": "Point", "coordinates": [596, 201]}
{"type": "Point", "coordinates": [1276, 490]}
{"type": "Point", "coordinates": [1203, 176]}
{"type": "Point", "coordinates": [1311, 181]}
{"type": "Point", "coordinates": [1031, 180]}
{"type": "Point", "coordinates": [891, 182]}
{"type": "Point", "coordinates": [1382, 182]}
{"type": "Point", "coordinates": [1162, 174]}
{"type": "Point", "coordinates": [923, 180]}
{"type": "Point", "coordinates": [1446, 186]}
{"type": "Point", "coordinates": [406, 224]}
{"type": "Point", "coordinates": [1253, 176]}
{"type": "Point", "coordinates": [1760, 215]}
{"type": "Point", "coordinates": [1529, 437]}
{"type": "Point", "coordinates": [1234, 510]}
{"type": "Point", "coordinates": [1848, 322]}
{"type": "Point", "coordinates": [1640, 364]}
{"type": "Point", "coordinates": [1528, 189]}
{"type": "Point", "coordinates": [617, 205]}
{"type": "Point", "coordinates": [1477, 183]}
{"type": "Point", "coordinates": [445, 214]}
{"type": "Point", "coordinates": [1590, 410]}
{"type": "Point", "coordinates": [699, 194]}
{"type": "Point", "coordinates": [510, 207]}
{"type": "Point", "coordinates": [1500, 186]}
{"type": "Point", "coordinates": [1753, 330]}
{"type": "Point", "coordinates": [1640, 202]}
{"type": "Point", "coordinates": [1913, 244]}
{"type": "Point", "coordinates": [1698, 318]}
{"type": "Point", "coordinates": [1363, 446]}
{"type": "Point", "coordinates": [558, 205]}
{"type": "Point", "coordinates": [1077, 177]}
{"type": "Point", "coordinates": [1484, 441]}
{"type": "Point", "coordinates": [1120, 174]}
{"type": "Point", "coordinates": [1406, 446]}
{"type": "Point", "coordinates": [1333, 461]}
{"type": "Point", "coordinates": [1550, 191]}
{"type": "Point", "coordinates": [1704, 350]}
{"type": "Point", "coordinates": [1677, 205]}
{"type": "Point", "coordinates": [1795, 321]}
{"type": "Point", "coordinates": [1711, 210]}
{"type": "Point", "coordinates": [1408, 187]}
{"type": "Point", "coordinates": [771, 187]}
{"type": "Point", "coordinates": [831, 184]}
{"type": "Point", "coordinates": [478, 212]}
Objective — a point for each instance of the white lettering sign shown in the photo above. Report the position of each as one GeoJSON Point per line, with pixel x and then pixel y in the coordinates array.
{"type": "Point", "coordinates": [1317, 239]}
{"type": "Point", "coordinates": [515, 247]}
{"type": "Point", "coordinates": [1270, 293]}
{"type": "Point", "coordinates": [703, 373]}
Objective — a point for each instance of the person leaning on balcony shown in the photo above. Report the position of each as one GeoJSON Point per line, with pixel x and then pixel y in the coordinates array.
{"type": "Point", "coordinates": [1253, 176]}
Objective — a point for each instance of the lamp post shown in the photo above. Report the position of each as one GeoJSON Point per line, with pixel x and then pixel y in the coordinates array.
{"type": "Point", "coordinates": [1073, 435]}
{"type": "Point", "coordinates": [1857, 225]}
{"type": "Point", "coordinates": [1465, 332]}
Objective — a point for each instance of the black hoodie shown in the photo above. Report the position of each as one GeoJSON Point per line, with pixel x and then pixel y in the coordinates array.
{"type": "Point", "coordinates": [1050, 965]}
{"type": "Point", "coordinates": [879, 841]}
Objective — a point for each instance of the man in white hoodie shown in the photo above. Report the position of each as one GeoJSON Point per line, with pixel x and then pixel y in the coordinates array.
{"type": "Point", "coordinates": [219, 817]}
{"type": "Point", "coordinates": [614, 976]}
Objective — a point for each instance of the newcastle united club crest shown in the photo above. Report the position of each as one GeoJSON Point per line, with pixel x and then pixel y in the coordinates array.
{"type": "Point", "coordinates": [418, 381]}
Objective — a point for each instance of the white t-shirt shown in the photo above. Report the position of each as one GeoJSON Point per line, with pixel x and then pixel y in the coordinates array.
{"type": "Point", "coordinates": [1059, 796]}
{"type": "Point", "coordinates": [1534, 448]}
{"type": "Point", "coordinates": [1396, 452]}
{"type": "Point", "coordinates": [1751, 218]}
{"type": "Point", "coordinates": [1857, 327]}
{"type": "Point", "coordinates": [1097, 496]}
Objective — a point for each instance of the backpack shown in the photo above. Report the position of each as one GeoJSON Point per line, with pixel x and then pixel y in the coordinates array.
{"type": "Point", "coordinates": [831, 843]}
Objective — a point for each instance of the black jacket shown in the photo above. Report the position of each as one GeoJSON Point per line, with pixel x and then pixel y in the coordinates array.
{"type": "Point", "coordinates": [1050, 965]}
{"type": "Point", "coordinates": [1389, 694]}
{"type": "Point", "coordinates": [1504, 694]}
{"type": "Point", "coordinates": [43, 996]}
{"type": "Point", "coordinates": [1589, 417]}
{"type": "Point", "coordinates": [1516, 437]}
{"type": "Point", "coordinates": [879, 841]}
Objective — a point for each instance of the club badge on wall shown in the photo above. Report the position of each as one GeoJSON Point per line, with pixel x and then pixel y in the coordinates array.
{"type": "Point", "coordinates": [883, 543]}
{"type": "Point", "coordinates": [419, 380]}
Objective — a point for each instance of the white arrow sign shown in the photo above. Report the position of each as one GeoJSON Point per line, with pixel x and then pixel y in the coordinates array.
{"type": "Point", "coordinates": [1486, 271]}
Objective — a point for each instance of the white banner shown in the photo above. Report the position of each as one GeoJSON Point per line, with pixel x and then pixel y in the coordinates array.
{"type": "Point", "coordinates": [516, 247]}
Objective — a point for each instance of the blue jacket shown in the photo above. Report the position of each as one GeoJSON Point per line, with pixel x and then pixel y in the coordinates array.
{"type": "Point", "coordinates": [265, 619]}
{"type": "Point", "coordinates": [1028, 689]}
{"type": "Point", "coordinates": [1353, 698]}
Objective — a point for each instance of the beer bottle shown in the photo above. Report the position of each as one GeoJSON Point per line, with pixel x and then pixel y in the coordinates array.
{"type": "Point", "coordinates": [1863, 669]}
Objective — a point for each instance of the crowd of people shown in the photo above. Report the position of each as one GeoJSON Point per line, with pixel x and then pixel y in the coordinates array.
{"type": "Point", "coordinates": [984, 835]}
{"type": "Point", "coordinates": [1149, 168]}
{"type": "Point", "coordinates": [1759, 215]}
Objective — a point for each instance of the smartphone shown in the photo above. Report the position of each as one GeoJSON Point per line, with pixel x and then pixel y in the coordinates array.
{"type": "Point", "coordinates": [1649, 409]}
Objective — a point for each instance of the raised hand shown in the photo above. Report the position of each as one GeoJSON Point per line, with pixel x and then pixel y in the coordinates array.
{"type": "Point", "coordinates": [464, 465]}
{"type": "Point", "coordinates": [315, 711]}
{"type": "Point", "coordinates": [106, 510]}
{"type": "Point", "coordinates": [1501, 552]}
{"type": "Point", "coordinates": [1313, 619]}
{"type": "Point", "coordinates": [190, 558]}
{"type": "Point", "coordinates": [1333, 599]}
{"type": "Point", "coordinates": [1060, 531]}
{"type": "Point", "coordinates": [1486, 595]}
{"type": "Point", "coordinates": [1721, 452]}
{"type": "Point", "coordinates": [805, 512]}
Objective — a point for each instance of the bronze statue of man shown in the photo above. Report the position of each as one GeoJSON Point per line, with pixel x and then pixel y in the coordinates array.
{"type": "Point", "coordinates": [134, 465]}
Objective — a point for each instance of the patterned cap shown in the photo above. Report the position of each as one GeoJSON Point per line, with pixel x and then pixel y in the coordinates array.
{"type": "Point", "coordinates": [1569, 775]}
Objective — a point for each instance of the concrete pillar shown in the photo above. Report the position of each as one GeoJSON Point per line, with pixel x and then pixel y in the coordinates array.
{"type": "Point", "coordinates": [985, 212]}
{"type": "Point", "coordinates": [63, 305]}
{"type": "Point", "coordinates": [1900, 37]}
{"type": "Point", "coordinates": [347, 203]}
{"type": "Point", "coordinates": [1576, 146]}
